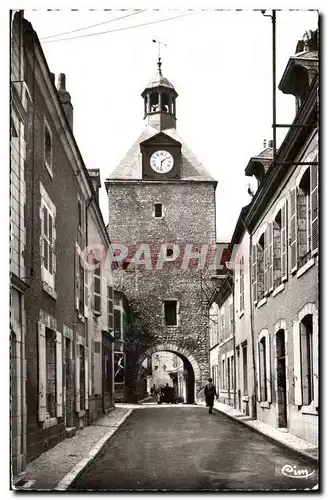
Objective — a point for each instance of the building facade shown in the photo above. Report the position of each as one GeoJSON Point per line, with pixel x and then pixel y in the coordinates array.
{"type": "Point", "coordinates": [283, 222]}
{"type": "Point", "coordinates": [157, 185]}
{"type": "Point", "coordinates": [222, 341]}
{"type": "Point", "coordinates": [69, 288]}
{"type": "Point", "coordinates": [19, 98]}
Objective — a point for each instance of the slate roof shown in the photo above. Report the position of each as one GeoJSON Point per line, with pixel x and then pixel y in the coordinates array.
{"type": "Point", "coordinates": [159, 80]}
{"type": "Point", "coordinates": [130, 168]}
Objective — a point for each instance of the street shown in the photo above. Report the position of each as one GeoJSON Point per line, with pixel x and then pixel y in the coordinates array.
{"type": "Point", "coordinates": [185, 448]}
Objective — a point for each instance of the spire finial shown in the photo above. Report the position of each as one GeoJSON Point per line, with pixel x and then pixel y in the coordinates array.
{"type": "Point", "coordinates": [159, 63]}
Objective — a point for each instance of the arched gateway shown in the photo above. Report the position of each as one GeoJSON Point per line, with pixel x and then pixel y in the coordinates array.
{"type": "Point", "coordinates": [191, 367]}
{"type": "Point", "coordinates": [161, 203]}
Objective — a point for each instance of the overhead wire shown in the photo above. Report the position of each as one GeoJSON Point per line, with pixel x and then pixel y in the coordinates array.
{"type": "Point", "coordinates": [118, 29]}
{"type": "Point", "coordinates": [93, 25]}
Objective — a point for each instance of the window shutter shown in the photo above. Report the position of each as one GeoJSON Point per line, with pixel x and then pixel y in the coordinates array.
{"type": "Point", "coordinates": [293, 229]}
{"type": "Point", "coordinates": [77, 378]}
{"type": "Point", "coordinates": [86, 293]}
{"type": "Point", "coordinates": [304, 364]}
{"type": "Point", "coordinates": [297, 364]}
{"type": "Point", "coordinates": [42, 404]}
{"type": "Point", "coordinates": [268, 368]}
{"type": "Point", "coordinates": [266, 260]}
{"type": "Point", "coordinates": [237, 289]}
{"type": "Point", "coordinates": [59, 375]}
{"type": "Point", "coordinates": [270, 256]}
{"type": "Point", "coordinates": [53, 236]}
{"type": "Point", "coordinates": [258, 371]}
{"type": "Point", "coordinates": [86, 372]}
{"type": "Point", "coordinates": [283, 243]}
{"type": "Point", "coordinates": [315, 324]}
{"type": "Point", "coordinates": [77, 281]}
{"type": "Point", "coordinates": [254, 270]}
{"type": "Point", "coordinates": [314, 206]}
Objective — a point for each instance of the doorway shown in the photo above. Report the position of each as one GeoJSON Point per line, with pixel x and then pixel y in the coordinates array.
{"type": "Point", "coordinates": [281, 379]}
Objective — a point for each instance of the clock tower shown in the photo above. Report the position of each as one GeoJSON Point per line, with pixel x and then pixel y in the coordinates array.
{"type": "Point", "coordinates": [161, 204]}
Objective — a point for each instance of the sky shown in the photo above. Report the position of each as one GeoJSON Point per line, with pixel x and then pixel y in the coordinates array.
{"type": "Point", "coordinates": [220, 63]}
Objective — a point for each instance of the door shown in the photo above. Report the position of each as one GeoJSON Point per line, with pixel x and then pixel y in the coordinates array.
{"type": "Point", "coordinates": [281, 379]}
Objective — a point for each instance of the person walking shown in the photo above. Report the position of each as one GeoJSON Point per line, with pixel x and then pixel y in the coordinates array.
{"type": "Point", "coordinates": [210, 393]}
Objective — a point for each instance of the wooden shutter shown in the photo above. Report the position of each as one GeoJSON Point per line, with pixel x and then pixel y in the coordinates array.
{"type": "Point", "coordinates": [254, 273]}
{"type": "Point", "coordinates": [77, 378]}
{"type": "Point", "coordinates": [86, 293]}
{"type": "Point", "coordinates": [270, 255]}
{"type": "Point", "coordinates": [314, 206]}
{"type": "Point", "coordinates": [258, 357]}
{"type": "Point", "coordinates": [59, 375]}
{"type": "Point", "coordinates": [53, 236]}
{"type": "Point", "coordinates": [297, 364]}
{"type": "Point", "coordinates": [283, 242]}
{"type": "Point", "coordinates": [315, 334]}
{"type": "Point", "coordinates": [268, 368]}
{"type": "Point", "coordinates": [293, 229]}
{"type": "Point", "coordinates": [42, 404]}
{"type": "Point", "coordinates": [86, 373]}
{"type": "Point", "coordinates": [266, 260]}
{"type": "Point", "coordinates": [77, 280]}
{"type": "Point", "coordinates": [305, 360]}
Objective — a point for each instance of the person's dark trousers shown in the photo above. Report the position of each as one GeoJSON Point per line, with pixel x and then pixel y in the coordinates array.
{"type": "Point", "coordinates": [210, 410]}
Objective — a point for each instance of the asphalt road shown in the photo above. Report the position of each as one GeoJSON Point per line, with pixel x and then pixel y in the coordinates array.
{"type": "Point", "coordinates": [185, 448]}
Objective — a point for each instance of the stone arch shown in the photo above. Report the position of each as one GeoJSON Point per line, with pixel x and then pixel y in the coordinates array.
{"type": "Point", "coordinates": [194, 375]}
{"type": "Point", "coordinates": [176, 350]}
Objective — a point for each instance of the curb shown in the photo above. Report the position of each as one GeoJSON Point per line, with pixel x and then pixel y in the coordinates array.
{"type": "Point", "coordinates": [67, 480]}
{"type": "Point", "coordinates": [303, 453]}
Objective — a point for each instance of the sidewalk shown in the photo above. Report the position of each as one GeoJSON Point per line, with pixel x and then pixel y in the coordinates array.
{"type": "Point", "coordinates": [282, 437]}
{"type": "Point", "coordinates": [58, 467]}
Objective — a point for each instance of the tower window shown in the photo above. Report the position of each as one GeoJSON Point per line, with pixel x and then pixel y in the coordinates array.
{"type": "Point", "coordinates": [158, 210]}
{"type": "Point", "coordinates": [170, 312]}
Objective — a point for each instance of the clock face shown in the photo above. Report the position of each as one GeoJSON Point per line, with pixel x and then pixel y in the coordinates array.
{"type": "Point", "coordinates": [161, 161]}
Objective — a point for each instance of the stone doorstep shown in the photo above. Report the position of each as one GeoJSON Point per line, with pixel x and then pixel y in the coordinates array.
{"type": "Point", "coordinates": [310, 452]}
{"type": "Point", "coordinates": [70, 432]}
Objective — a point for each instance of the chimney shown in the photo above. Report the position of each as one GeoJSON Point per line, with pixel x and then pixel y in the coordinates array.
{"type": "Point", "coordinates": [65, 99]}
{"type": "Point", "coordinates": [264, 143]}
{"type": "Point", "coordinates": [270, 144]}
{"type": "Point", "coordinates": [94, 174]}
{"type": "Point", "coordinates": [53, 77]}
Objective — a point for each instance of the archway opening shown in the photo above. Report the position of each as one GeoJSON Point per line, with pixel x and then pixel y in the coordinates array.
{"type": "Point", "coordinates": [167, 367]}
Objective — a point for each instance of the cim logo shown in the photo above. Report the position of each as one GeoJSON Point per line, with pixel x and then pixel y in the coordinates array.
{"type": "Point", "coordinates": [296, 471]}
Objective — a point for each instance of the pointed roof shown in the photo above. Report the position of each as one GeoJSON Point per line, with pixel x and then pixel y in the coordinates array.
{"type": "Point", "coordinates": [130, 168]}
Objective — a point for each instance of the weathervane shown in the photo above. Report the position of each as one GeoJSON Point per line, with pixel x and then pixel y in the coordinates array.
{"type": "Point", "coordinates": [159, 64]}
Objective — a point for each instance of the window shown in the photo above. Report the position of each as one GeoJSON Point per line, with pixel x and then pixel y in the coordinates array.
{"type": "Point", "coordinates": [306, 332]}
{"type": "Point", "coordinates": [280, 246]}
{"type": "Point", "coordinates": [170, 312]}
{"type": "Point", "coordinates": [50, 373]}
{"type": "Point", "coordinates": [158, 210]}
{"type": "Point", "coordinates": [241, 285]}
{"type": "Point", "coordinates": [244, 357]}
{"type": "Point", "coordinates": [304, 218]}
{"type": "Point", "coordinates": [223, 332]}
{"type": "Point", "coordinates": [97, 287]}
{"type": "Point", "coordinates": [262, 366]}
{"type": "Point", "coordinates": [117, 323]}
{"type": "Point", "coordinates": [48, 148]}
{"type": "Point", "coordinates": [259, 269]}
{"type": "Point", "coordinates": [110, 307]}
{"type": "Point", "coordinates": [48, 237]}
